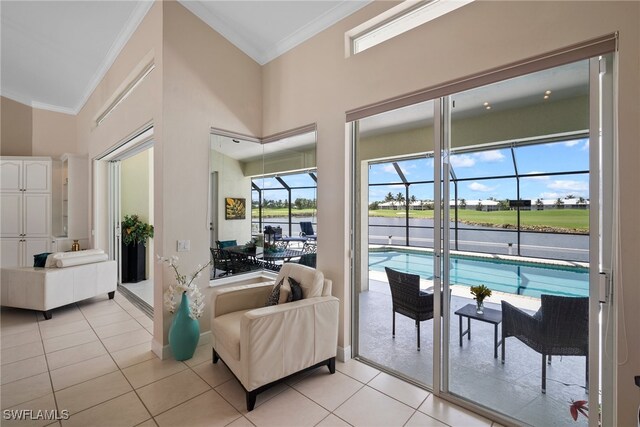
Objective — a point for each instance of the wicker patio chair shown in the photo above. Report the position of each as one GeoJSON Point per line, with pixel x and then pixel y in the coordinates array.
{"type": "Point", "coordinates": [559, 328]}
{"type": "Point", "coordinates": [221, 261]}
{"type": "Point", "coordinates": [408, 299]}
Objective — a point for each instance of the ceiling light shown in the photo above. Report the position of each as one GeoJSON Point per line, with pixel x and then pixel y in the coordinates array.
{"type": "Point", "coordinates": [488, 107]}
{"type": "Point", "coordinates": [485, 104]}
{"type": "Point", "coordinates": [236, 141]}
{"type": "Point", "coordinates": [548, 92]}
{"type": "Point", "coordinates": [546, 97]}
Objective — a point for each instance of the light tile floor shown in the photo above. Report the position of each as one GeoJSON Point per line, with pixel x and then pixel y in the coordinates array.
{"type": "Point", "coordinates": [94, 360]}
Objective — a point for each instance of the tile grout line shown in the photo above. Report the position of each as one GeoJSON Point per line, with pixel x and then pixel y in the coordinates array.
{"type": "Point", "coordinates": [121, 373]}
{"type": "Point", "coordinates": [46, 361]}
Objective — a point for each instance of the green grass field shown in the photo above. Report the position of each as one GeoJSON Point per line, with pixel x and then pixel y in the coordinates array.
{"type": "Point", "coordinates": [568, 220]}
{"type": "Point", "coordinates": [557, 219]}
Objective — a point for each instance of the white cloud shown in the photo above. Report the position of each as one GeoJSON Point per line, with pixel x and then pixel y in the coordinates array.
{"type": "Point", "coordinates": [541, 178]}
{"type": "Point", "coordinates": [490, 156]}
{"type": "Point", "coordinates": [389, 168]}
{"type": "Point", "coordinates": [550, 195]}
{"type": "Point", "coordinates": [585, 147]}
{"type": "Point", "coordinates": [568, 185]}
{"type": "Point", "coordinates": [572, 143]}
{"type": "Point", "coordinates": [476, 186]}
{"type": "Point", "coordinates": [462, 161]}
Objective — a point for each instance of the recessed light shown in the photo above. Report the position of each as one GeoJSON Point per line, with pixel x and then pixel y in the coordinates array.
{"type": "Point", "coordinates": [488, 107]}
{"type": "Point", "coordinates": [485, 104]}
{"type": "Point", "coordinates": [548, 92]}
{"type": "Point", "coordinates": [546, 97]}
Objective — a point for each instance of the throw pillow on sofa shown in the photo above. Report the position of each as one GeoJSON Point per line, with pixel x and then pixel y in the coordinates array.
{"type": "Point", "coordinates": [296, 290]}
{"type": "Point", "coordinates": [274, 297]}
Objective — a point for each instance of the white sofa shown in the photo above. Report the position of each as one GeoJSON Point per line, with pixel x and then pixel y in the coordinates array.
{"type": "Point", "coordinates": [44, 289]}
{"type": "Point", "coordinates": [264, 345]}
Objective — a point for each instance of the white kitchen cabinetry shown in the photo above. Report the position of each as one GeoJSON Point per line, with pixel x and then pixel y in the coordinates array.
{"type": "Point", "coordinates": [25, 207]}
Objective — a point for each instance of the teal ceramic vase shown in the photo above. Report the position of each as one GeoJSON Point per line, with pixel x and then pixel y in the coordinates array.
{"type": "Point", "coordinates": [184, 332]}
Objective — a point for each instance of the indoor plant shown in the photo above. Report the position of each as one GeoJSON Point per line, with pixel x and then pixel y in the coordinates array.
{"type": "Point", "coordinates": [135, 234]}
{"type": "Point", "coordinates": [184, 332]}
{"type": "Point", "coordinates": [479, 293]}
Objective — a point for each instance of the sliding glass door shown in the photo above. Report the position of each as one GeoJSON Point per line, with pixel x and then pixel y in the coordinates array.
{"type": "Point", "coordinates": [394, 238]}
{"type": "Point", "coordinates": [503, 190]}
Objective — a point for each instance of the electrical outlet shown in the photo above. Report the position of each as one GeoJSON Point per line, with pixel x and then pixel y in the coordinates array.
{"type": "Point", "coordinates": [184, 245]}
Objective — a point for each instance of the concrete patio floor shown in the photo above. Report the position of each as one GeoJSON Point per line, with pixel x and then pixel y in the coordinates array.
{"type": "Point", "coordinates": [513, 388]}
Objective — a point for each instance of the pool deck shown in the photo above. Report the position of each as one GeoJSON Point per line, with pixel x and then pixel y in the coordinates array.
{"type": "Point", "coordinates": [462, 291]}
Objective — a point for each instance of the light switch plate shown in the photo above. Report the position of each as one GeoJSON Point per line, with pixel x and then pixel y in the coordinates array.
{"type": "Point", "coordinates": [184, 245]}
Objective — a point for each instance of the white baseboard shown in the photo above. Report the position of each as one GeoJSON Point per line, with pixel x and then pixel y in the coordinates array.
{"type": "Point", "coordinates": [344, 353]}
{"type": "Point", "coordinates": [164, 352]}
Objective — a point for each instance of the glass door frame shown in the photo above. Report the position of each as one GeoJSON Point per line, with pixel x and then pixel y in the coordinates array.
{"type": "Point", "coordinates": [602, 163]}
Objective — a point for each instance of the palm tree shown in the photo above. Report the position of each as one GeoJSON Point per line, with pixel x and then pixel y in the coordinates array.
{"type": "Point", "coordinates": [559, 203]}
{"type": "Point", "coordinates": [463, 203]}
{"type": "Point", "coordinates": [389, 197]}
{"type": "Point", "coordinates": [400, 198]}
{"type": "Point", "coordinates": [539, 204]}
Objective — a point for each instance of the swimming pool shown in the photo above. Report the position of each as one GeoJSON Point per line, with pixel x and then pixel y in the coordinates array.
{"type": "Point", "coordinates": [515, 277]}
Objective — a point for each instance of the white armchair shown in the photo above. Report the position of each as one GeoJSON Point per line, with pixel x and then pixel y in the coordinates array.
{"type": "Point", "coordinates": [264, 345]}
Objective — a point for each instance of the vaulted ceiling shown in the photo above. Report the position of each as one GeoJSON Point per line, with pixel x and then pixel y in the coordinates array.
{"type": "Point", "coordinates": [54, 53]}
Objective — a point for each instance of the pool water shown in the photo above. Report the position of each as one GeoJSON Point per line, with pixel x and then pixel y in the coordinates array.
{"type": "Point", "coordinates": [515, 277]}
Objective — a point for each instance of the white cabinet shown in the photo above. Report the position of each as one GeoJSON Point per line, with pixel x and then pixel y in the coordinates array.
{"type": "Point", "coordinates": [19, 252]}
{"type": "Point", "coordinates": [25, 175]}
{"type": "Point", "coordinates": [25, 208]}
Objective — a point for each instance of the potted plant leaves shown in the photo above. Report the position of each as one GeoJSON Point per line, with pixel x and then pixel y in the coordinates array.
{"type": "Point", "coordinates": [135, 234]}
{"type": "Point", "coordinates": [479, 293]}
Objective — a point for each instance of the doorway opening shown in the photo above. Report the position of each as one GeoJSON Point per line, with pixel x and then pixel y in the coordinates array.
{"type": "Point", "coordinates": [124, 177]}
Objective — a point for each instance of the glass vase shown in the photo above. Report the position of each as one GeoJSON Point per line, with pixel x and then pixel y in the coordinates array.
{"type": "Point", "coordinates": [480, 307]}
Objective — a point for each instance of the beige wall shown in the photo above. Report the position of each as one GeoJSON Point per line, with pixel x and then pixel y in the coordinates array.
{"type": "Point", "coordinates": [53, 133]}
{"type": "Point", "coordinates": [208, 82]}
{"type": "Point", "coordinates": [15, 128]}
{"type": "Point", "coordinates": [27, 131]}
{"type": "Point", "coordinates": [478, 37]}
{"type": "Point", "coordinates": [141, 107]}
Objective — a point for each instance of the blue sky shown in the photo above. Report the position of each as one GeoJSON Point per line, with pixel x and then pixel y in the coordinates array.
{"type": "Point", "coordinates": [541, 158]}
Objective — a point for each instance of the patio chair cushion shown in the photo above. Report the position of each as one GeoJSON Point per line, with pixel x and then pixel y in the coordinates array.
{"type": "Point", "coordinates": [226, 243]}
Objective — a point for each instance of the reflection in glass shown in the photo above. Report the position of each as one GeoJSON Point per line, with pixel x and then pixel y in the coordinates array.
{"type": "Point", "coordinates": [277, 181]}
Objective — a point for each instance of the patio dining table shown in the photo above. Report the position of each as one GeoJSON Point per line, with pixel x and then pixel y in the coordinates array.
{"type": "Point", "coordinates": [269, 259]}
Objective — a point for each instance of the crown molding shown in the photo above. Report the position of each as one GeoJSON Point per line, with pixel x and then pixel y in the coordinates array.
{"type": "Point", "coordinates": [314, 27]}
{"type": "Point", "coordinates": [262, 57]}
{"type": "Point", "coordinates": [227, 31]}
{"type": "Point", "coordinates": [136, 17]}
{"type": "Point", "coordinates": [54, 108]}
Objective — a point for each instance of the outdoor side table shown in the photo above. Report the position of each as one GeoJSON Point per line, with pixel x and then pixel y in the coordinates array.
{"type": "Point", "coordinates": [489, 316]}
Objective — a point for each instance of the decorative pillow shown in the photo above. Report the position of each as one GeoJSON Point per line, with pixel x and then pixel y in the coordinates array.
{"type": "Point", "coordinates": [275, 295]}
{"type": "Point", "coordinates": [296, 290]}
{"type": "Point", "coordinates": [39, 260]}
{"type": "Point", "coordinates": [285, 292]}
